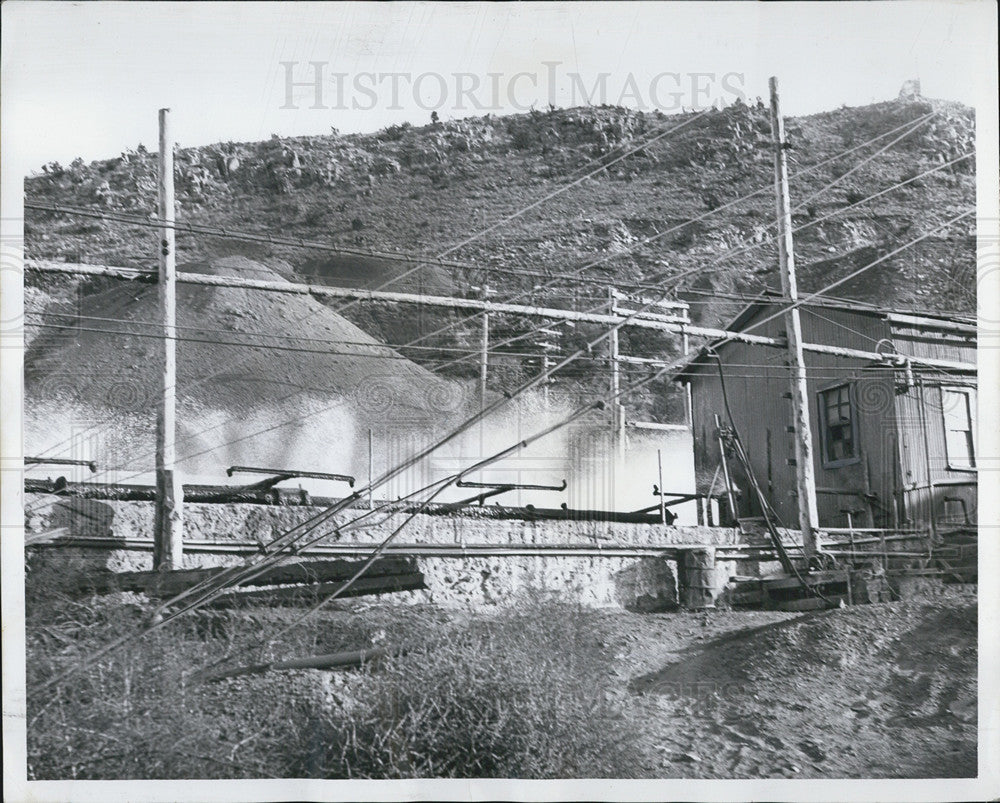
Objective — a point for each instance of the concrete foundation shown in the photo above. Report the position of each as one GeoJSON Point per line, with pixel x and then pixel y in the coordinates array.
{"type": "Point", "coordinates": [646, 584]}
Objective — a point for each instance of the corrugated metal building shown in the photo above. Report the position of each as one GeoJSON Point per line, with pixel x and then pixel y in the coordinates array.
{"type": "Point", "coordinates": [894, 444]}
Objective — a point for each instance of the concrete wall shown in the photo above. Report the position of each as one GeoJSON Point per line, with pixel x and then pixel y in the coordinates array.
{"type": "Point", "coordinates": [635, 583]}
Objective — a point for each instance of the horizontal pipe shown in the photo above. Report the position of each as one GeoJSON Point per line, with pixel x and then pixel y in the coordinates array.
{"type": "Point", "coordinates": [627, 360]}
{"type": "Point", "coordinates": [418, 550]}
{"type": "Point", "coordinates": [60, 461]}
{"type": "Point", "coordinates": [871, 530]}
{"type": "Point", "coordinates": [654, 425]}
{"type": "Point", "coordinates": [895, 358]}
{"type": "Point", "coordinates": [357, 294]}
{"type": "Point", "coordinates": [360, 294]}
{"type": "Point", "coordinates": [875, 553]}
{"type": "Point", "coordinates": [167, 584]}
{"type": "Point", "coordinates": [659, 302]}
{"type": "Point", "coordinates": [290, 474]}
{"type": "Point", "coordinates": [932, 323]}
{"type": "Point", "coordinates": [265, 494]}
{"type": "Point", "coordinates": [510, 485]}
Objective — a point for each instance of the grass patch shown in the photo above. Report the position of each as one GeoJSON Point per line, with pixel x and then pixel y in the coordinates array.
{"type": "Point", "coordinates": [512, 695]}
{"type": "Point", "coordinates": [519, 696]}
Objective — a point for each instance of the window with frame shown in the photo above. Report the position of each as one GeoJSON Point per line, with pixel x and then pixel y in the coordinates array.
{"type": "Point", "coordinates": [836, 415]}
{"type": "Point", "coordinates": [958, 407]}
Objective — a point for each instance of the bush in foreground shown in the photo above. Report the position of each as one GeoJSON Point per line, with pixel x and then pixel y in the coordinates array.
{"type": "Point", "coordinates": [519, 696]}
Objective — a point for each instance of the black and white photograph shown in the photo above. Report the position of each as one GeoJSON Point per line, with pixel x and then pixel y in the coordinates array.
{"type": "Point", "coordinates": [479, 400]}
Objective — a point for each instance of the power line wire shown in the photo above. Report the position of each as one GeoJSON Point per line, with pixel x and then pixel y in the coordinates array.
{"type": "Point", "coordinates": [410, 461]}
{"type": "Point", "coordinates": [343, 307]}
{"type": "Point", "coordinates": [705, 215]}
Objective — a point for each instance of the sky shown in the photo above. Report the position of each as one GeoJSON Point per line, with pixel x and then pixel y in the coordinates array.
{"type": "Point", "coordinates": [86, 79]}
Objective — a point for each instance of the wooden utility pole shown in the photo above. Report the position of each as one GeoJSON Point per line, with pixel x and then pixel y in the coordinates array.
{"type": "Point", "coordinates": [804, 469]}
{"type": "Point", "coordinates": [371, 466]}
{"type": "Point", "coordinates": [617, 409]}
{"type": "Point", "coordinates": [659, 476]}
{"type": "Point", "coordinates": [484, 357]}
{"type": "Point", "coordinates": [168, 546]}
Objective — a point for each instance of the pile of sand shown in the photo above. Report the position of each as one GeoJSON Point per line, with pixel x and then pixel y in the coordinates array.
{"type": "Point", "coordinates": [261, 376]}
{"type": "Point", "coordinates": [108, 357]}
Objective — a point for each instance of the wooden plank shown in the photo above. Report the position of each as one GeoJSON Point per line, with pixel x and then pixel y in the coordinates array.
{"type": "Point", "coordinates": [811, 603]}
{"type": "Point", "coordinates": [336, 660]}
{"type": "Point", "coordinates": [812, 579]}
{"type": "Point", "coordinates": [307, 595]}
{"type": "Point", "coordinates": [166, 584]}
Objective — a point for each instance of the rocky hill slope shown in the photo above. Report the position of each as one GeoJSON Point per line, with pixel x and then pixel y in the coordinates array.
{"type": "Point", "coordinates": [658, 213]}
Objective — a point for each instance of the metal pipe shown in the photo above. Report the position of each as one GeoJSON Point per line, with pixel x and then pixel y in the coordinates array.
{"type": "Point", "coordinates": [290, 473]}
{"type": "Point", "coordinates": [419, 550]}
{"type": "Point", "coordinates": [371, 466]}
{"type": "Point", "coordinates": [359, 294]}
{"type": "Point", "coordinates": [725, 470]}
{"type": "Point", "coordinates": [518, 485]}
{"type": "Point", "coordinates": [59, 461]}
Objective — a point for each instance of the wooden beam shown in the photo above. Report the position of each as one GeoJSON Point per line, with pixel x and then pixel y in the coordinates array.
{"type": "Point", "coordinates": [306, 594]}
{"type": "Point", "coordinates": [167, 584]}
{"type": "Point", "coordinates": [336, 660]}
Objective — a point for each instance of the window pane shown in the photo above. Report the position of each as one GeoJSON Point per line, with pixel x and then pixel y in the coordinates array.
{"type": "Point", "coordinates": [959, 448]}
{"type": "Point", "coordinates": [847, 441]}
{"type": "Point", "coordinates": [959, 423]}
{"type": "Point", "coordinates": [956, 410]}
{"type": "Point", "coordinates": [837, 423]}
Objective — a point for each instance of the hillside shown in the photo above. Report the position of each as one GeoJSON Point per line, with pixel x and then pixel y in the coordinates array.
{"type": "Point", "coordinates": [422, 190]}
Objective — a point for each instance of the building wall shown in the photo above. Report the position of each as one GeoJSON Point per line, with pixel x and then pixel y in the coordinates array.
{"type": "Point", "coordinates": [932, 489]}
{"type": "Point", "coordinates": [757, 380]}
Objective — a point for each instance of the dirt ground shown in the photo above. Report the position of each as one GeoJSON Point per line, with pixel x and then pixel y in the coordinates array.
{"type": "Point", "coordinates": [870, 691]}
{"type": "Point", "coordinates": [873, 691]}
